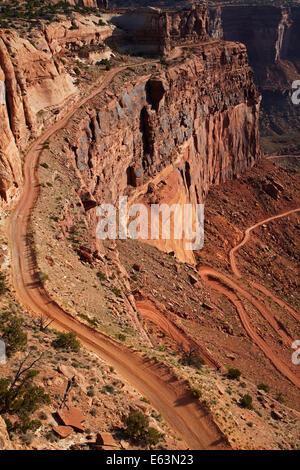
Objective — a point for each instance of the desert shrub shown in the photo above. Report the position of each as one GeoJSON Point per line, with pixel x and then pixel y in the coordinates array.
{"type": "Point", "coordinates": [91, 391]}
{"type": "Point", "coordinates": [116, 291]}
{"type": "Point", "coordinates": [108, 389]}
{"type": "Point", "coordinates": [233, 373]}
{"type": "Point", "coordinates": [137, 429]}
{"type": "Point", "coordinates": [121, 337]}
{"type": "Point", "coordinates": [44, 165]}
{"type": "Point", "coordinates": [66, 341]}
{"type": "Point", "coordinates": [3, 287]}
{"type": "Point", "coordinates": [191, 358]}
{"type": "Point", "coordinates": [196, 393]}
{"type": "Point", "coordinates": [102, 276]}
{"type": "Point", "coordinates": [246, 402]}
{"type": "Point", "coordinates": [12, 333]}
{"type": "Point", "coordinates": [145, 400]}
{"type": "Point", "coordinates": [20, 397]}
{"type": "Point", "coordinates": [136, 425]}
{"type": "Point", "coordinates": [153, 436]}
{"type": "Point", "coordinates": [42, 276]}
{"type": "Point", "coordinates": [263, 387]}
{"type": "Point", "coordinates": [51, 436]}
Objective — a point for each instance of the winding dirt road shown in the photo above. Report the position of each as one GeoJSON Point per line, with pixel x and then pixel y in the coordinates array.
{"type": "Point", "coordinates": [148, 311]}
{"type": "Point", "coordinates": [184, 414]}
{"type": "Point", "coordinates": [256, 285]}
{"type": "Point", "coordinates": [228, 287]}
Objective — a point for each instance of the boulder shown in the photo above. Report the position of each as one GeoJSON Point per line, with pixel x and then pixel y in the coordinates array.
{"type": "Point", "coordinates": [63, 431]}
{"type": "Point", "coordinates": [106, 439]}
{"type": "Point", "coordinates": [72, 417]}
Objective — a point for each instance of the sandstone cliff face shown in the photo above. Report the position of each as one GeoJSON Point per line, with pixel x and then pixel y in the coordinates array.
{"type": "Point", "coordinates": [153, 31]}
{"type": "Point", "coordinates": [194, 125]}
{"type": "Point", "coordinates": [33, 80]}
{"type": "Point", "coordinates": [69, 35]}
{"type": "Point", "coordinates": [10, 164]}
{"type": "Point", "coordinates": [271, 35]}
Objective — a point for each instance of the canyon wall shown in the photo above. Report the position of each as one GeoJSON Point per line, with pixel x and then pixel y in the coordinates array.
{"type": "Point", "coordinates": [35, 83]}
{"type": "Point", "coordinates": [271, 35]}
{"type": "Point", "coordinates": [31, 80]}
{"type": "Point", "coordinates": [168, 137]}
{"type": "Point", "coordinates": [153, 31]}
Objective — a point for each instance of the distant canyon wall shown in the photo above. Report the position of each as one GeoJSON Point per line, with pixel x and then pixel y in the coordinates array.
{"type": "Point", "coordinates": [272, 36]}
{"type": "Point", "coordinates": [169, 137]}
{"type": "Point", "coordinates": [154, 31]}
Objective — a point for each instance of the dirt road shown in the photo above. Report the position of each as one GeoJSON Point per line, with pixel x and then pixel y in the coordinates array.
{"type": "Point", "coordinates": [184, 414]}
{"type": "Point", "coordinates": [230, 288]}
{"type": "Point", "coordinates": [148, 311]}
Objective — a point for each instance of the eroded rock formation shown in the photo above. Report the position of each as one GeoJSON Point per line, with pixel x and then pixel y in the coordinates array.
{"type": "Point", "coordinates": [203, 111]}
{"type": "Point", "coordinates": [34, 80]}
{"type": "Point", "coordinates": [184, 129]}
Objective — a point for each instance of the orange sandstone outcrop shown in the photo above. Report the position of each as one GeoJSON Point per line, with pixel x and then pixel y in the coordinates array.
{"type": "Point", "coordinates": [5, 443]}
{"type": "Point", "coordinates": [87, 3]}
{"type": "Point", "coordinates": [10, 163]}
{"type": "Point", "coordinates": [200, 117]}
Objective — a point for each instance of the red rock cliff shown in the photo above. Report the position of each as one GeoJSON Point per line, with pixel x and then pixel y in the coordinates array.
{"type": "Point", "coordinates": [194, 125]}
{"type": "Point", "coordinates": [33, 83]}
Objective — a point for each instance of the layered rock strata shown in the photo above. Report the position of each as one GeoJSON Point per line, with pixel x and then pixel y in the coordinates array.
{"type": "Point", "coordinates": [154, 31]}
{"type": "Point", "coordinates": [172, 135]}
